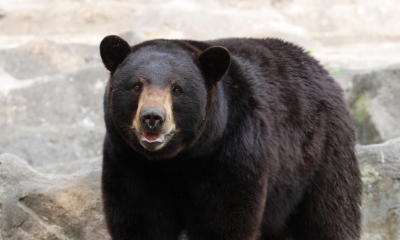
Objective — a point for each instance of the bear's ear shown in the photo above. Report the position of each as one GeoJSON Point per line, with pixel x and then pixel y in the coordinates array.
{"type": "Point", "coordinates": [215, 62]}
{"type": "Point", "coordinates": [113, 50]}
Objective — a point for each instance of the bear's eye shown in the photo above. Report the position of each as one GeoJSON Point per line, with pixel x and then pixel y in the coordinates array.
{"type": "Point", "coordinates": [177, 89]}
{"type": "Point", "coordinates": [137, 86]}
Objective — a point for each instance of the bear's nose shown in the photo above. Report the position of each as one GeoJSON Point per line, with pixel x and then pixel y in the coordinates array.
{"type": "Point", "coordinates": [152, 117]}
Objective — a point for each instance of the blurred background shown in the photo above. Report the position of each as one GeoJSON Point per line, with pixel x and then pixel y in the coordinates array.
{"type": "Point", "coordinates": [52, 78]}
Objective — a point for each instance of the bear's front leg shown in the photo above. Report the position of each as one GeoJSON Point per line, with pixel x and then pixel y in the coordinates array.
{"type": "Point", "coordinates": [135, 205]}
{"type": "Point", "coordinates": [226, 204]}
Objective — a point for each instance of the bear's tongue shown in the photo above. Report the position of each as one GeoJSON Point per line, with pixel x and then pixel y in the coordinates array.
{"type": "Point", "coordinates": [152, 137]}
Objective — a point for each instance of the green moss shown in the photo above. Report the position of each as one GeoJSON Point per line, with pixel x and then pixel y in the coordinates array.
{"type": "Point", "coordinates": [366, 131]}
{"type": "Point", "coordinates": [311, 50]}
{"type": "Point", "coordinates": [369, 174]}
{"type": "Point", "coordinates": [360, 109]}
{"type": "Point", "coordinates": [337, 71]}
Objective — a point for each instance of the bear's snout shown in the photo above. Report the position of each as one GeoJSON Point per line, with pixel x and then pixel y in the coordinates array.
{"type": "Point", "coordinates": [152, 118]}
{"type": "Point", "coordinates": [154, 123]}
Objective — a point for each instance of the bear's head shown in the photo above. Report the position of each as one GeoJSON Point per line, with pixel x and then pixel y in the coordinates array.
{"type": "Point", "coordinates": [160, 92]}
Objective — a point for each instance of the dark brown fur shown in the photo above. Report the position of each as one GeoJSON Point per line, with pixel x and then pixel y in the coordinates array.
{"type": "Point", "coordinates": [265, 149]}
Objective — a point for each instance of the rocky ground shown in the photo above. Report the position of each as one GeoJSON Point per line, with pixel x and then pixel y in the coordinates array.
{"type": "Point", "coordinates": [53, 206]}
{"type": "Point", "coordinates": [52, 81]}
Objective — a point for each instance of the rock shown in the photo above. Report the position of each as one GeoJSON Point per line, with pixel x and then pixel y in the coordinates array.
{"type": "Point", "coordinates": [55, 119]}
{"type": "Point", "coordinates": [351, 34]}
{"type": "Point", "coordinates": [133, 37]}
{"type": "Point", "coordinates": [375, 105]}
{"type": "Point", "coordinates": [52, 78]}
{"type": "Point", "coordinates": [345, 78]}
{"type": "Point", "coordinates": [44, 57]}
{"type": "Point", "coordinates": [39, 206]}
{"type": "Point", "coordinates": [65, 167]}
{"type": "Point", "coordinates": [380, 169]}
{"type": "Point", "coordinates": [22, 64]}
{"type": "Point", "coordinates": [46, 206]}
{"type": "Point", "coordinates": [62, 99]}
{"type": "Point", "coordinates": [2, 13]}
{"type": "Point", "coordinates": [51, 87]}
{"type": "Point", "coordinates": [52, 144]}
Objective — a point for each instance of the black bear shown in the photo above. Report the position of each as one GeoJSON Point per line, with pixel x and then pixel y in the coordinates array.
{"type": "Point", "coordinates": [230, 139]}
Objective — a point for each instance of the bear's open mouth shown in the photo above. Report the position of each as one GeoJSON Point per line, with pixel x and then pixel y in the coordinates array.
{"type": "Point", "coordinates": [152, 137]}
